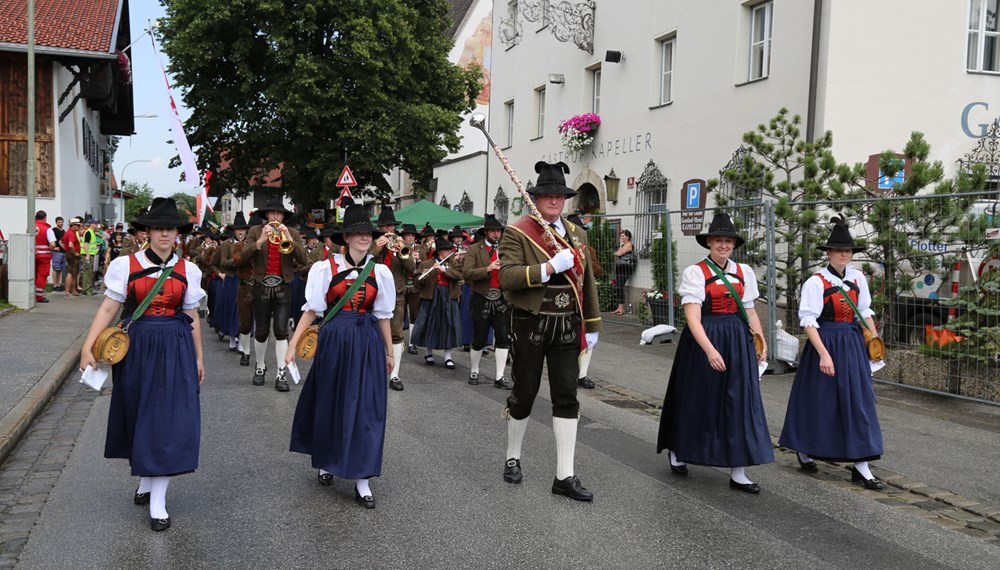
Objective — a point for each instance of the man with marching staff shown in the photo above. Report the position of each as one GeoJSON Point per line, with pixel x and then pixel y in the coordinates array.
{"type": "Point", "coordinates": [487, 307]}
{"type": "Point", "coordinates": [553, 315]}
{"type": "Point", "coordinates": [398, 257]}
{"type": "Point", "coordinates": [273, 251]}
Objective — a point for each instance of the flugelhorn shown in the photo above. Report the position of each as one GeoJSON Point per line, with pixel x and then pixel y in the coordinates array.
{"type": "Point", "coordinates": [281, 238]}
{"type": "Point", "coordinates": [397, 245]}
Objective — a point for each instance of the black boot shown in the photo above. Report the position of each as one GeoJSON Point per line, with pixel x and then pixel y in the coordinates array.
{"type": "Point", "coordinates": [572, 488]}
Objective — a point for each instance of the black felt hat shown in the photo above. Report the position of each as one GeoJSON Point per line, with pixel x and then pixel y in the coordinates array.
{"type": "Point", "coordinates": [721, 226]}
{"type": "Point", "coordinates": [386, 217]}
{"type": "Point", "coordinates": [308, 232]}
{"type": "Point", "coordinates": [443, 243]}
{"type": "Point", "coordinates": [330, 229]}
{"type": "Point", "coordinates": [240, 222]}
{"type": "Point", "coordinates": [163, 213]}
{"type": "Point", "coordinates": [275, 204]}
{"type": "Point", "coordinates": [255, 219]}
{"type": "Point", "coordinates": [408, 229]}
{"type": "Point", "coordinates": [428, 231]}
{"type": "Point", "coordinates": [456, 232]}
{"type": "Point", "coordinates": [356, 221]}
{"type": "Point", "coordinates": [551, 179]}
{"type": "Point", "coordinates": [840, 237]}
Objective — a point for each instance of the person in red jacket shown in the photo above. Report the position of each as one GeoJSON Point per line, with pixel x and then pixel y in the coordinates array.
{"type": "Point", "coordinates": [45, 242]}
{"type": "Point", "coordinates": [71, 247]}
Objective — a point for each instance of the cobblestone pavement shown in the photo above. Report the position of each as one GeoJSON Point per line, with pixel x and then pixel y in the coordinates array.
{"type": "Point", "coordinates": [947, 509]}
{"type": "Point", "coordinates": [30, 473]}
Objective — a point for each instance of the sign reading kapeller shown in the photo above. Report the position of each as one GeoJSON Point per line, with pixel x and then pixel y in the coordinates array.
{"type": "Point", "coordinates": [693, 206]}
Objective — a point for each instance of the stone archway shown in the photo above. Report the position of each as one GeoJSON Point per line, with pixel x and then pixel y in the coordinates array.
{"type": "Point", "coordinates": [591, 194]}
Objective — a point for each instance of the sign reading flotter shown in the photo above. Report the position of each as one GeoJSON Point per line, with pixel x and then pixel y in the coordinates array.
{"type": "Point", "coordinates": [693, 206]}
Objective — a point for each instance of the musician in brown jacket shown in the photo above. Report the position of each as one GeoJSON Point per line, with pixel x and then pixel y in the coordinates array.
{"type": "Point", "coordinates": [402, 269]}
{"type": "Point", "coordinates": [439, 323]}
{"type": "Point", "coordinates": [553, 315]}
{"type": "Point", "coordinates": [487, 308]}
{"type": "Point", "coordinates": [272, 277]}
{"type": "Point", "coordinates": [226, 262]}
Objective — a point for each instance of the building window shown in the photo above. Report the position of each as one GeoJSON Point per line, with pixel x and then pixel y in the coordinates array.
{"type": "Point", "coordinates": [595, 91]}
{"type": "Point", "coordinates": [508, 113]}
{"type": "Point", "coordinates": [760, 41]}
{"type": "Point", "coordinates": [539, 113]}
{"type": "Point", "coordinates": [650, 206]}
{"type": "Point", "coordinates": [984, 36]}
{"type": "Point", "coordinates": [666, 70]}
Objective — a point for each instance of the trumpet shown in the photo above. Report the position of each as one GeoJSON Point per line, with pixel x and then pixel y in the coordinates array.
{"type": "Point", "coordinates": [280, 238]}
{"type": "Point", "coordinates": [437, 264]}
{"type": "Point", "coordinates": [397, 245]}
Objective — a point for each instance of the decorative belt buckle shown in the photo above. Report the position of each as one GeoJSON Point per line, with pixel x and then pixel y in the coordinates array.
{"type": "Point", "coordinates": [272, 281]}
{"type": "Point", "coordinates": [493, 294]}
{"type": "Point", "coordinates": [562, 300]}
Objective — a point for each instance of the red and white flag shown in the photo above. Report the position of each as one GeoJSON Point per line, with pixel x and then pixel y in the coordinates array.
{"type": "Point", "coordinates": [202, 199]}
{"type": "Point", "coordinates": [177, 126]}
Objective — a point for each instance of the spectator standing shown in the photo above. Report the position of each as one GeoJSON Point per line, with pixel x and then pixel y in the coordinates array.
{"type": "Point", "coordinates": [45, 241]}
{"type": "Point", "coordinates": [72, 248]}
{"type": "Point", "coordinates": [625, 262]}
{"type": "Point", "coordinates": [59, 257]}
{"type": "Point", "coordinates": [89, 249]}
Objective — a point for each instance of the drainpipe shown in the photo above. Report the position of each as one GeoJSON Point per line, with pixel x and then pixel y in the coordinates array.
{"type": "Point", "coordinates": [814, 70]}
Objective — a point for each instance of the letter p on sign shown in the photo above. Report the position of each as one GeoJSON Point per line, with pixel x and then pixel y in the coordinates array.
{"type": "Point", "coordinates": [693, 195]}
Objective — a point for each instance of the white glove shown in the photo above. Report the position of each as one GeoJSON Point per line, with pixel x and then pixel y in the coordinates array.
{"type": "Point", "coordinates": [591, 340]}
{"type": "Point", "coordinates": [562, 261]}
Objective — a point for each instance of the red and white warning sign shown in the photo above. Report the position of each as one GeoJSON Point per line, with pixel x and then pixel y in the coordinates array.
{"type": "Point", "coordinates": [346, 178]}
{"type": "Point", "coordinates": [345, 193]}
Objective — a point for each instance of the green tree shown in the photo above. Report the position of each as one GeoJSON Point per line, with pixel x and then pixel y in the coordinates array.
{"type": "Point", "coordinates": [143, 198]}
{"type": "Point", "coordinates": [309, 85]}
{"type": "Point", "coordinates": [783, 168]}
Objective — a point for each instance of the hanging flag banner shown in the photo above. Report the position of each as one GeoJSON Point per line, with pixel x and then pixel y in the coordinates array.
{"type": "Point", "coordinates": [177, 126]}
{"type": "Point", "coordinates": [204, 203]}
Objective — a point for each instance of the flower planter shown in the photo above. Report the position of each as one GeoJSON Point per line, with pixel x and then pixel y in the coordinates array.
{"type": "Point", "coordinates": [659, 309]}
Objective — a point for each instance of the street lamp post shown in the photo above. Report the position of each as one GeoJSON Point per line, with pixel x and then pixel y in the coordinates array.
{"type": "Point", "coordinates": [121, 184]}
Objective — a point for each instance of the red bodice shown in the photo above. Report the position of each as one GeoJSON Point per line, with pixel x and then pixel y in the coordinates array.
{"type": "Point", "coordinates": [835, 307]}
{"type": "Point", "coordinates": [168, 301]}
{"type": "Point", "coordinates": [363, 298]}
{"type": "Point", "coordinates": [718, 299]}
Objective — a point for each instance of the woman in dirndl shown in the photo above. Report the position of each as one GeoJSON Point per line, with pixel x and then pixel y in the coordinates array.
{"type": "Point", "coordinates": [831, 411]}
{"type": "Point", "coordinates": [155, 415]}
{"type": "Point", "coordinates": [439, 320]}
{"type": "Point", "coordinates": [712, 412]}
{"type": "Point", "coordinates": [340, 416]}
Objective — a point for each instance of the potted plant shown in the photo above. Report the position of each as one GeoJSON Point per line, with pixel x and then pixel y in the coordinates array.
{"type": "Point", "coordinates": [577, 132]}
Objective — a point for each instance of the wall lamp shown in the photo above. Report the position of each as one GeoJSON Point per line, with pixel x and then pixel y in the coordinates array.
{"type": "Point", "coordinates": [557, 78]}
{"type": "Point", "coordinates": [613, 56]}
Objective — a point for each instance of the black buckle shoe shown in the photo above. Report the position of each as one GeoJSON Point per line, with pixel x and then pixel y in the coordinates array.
{"type": "Point", "coordinates": [411, 349]}
{"type": "Point", "coordinates": [872, 484]}
{"type": "Point", "coordinates": [585, 382]}
{"type": "Point", "coordinates": [222, 336]}
{"type": "Point", "coordinates": [572, 488]}
{"type": "Point", "coordinates": [244, 360]}
{"type": "Point", "coordinates": [807, 466]}
{"type": "Point", "coordinates": [473, 378]}
{"type": "Point", "coordinates": [502, 383]}
{"type": "Point", "coordinates": [325, 479]}
{"type": "Point", "coordinates": [751, 488]}
{"type": "Point", "coordinates": [396, 384]}
{"type": "Point", "coordinates": [449, 364]}
{"type": "Point", "coordinates": [280, 384]}
{"type": "Point", "coordinates": [258, 376]}
{"type": "Point", "coordinates": [159, 524]}
{"type": "Point", "coordinates": [367, 501]}
{"type": "Point", "coordinates": [512, 471]}
{"type": "Point", "coordinates": [140, 498]}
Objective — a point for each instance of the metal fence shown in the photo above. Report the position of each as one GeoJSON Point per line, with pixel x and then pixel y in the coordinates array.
{"type": "Point", "coordinates": [932, 264]}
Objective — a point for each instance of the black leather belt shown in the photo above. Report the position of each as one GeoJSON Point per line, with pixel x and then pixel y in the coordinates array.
{"type": "Point", "coordinates": [272, 281]}
{"type": "Point", "coordinates": [559, 300]}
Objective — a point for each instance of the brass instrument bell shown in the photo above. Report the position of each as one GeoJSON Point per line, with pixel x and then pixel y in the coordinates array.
{"type": "Point", "coordinates": [281, 238]}
{"type": "Point", "coordinates": [397, 245]}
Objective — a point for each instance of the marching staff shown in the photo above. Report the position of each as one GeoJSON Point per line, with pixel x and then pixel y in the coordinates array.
{"type": "Point", "coordinates": [831, 411]}
{"type": "Point", "coordinates": [402, 267]}
{"type": "Point", "coordinates": [481, 270]}
{"type": "Point", "coordinates": [340, 416]}
{"type": "Point", "coordinates": [438, 323]}
{"type": "Point", "coordinates": [712, 411]}
{"type": "Point", "coordinates": [273, 251]}
{"type": "Point", "coordinates": [155, 418]}
{"type": "Point", "coordinates": [553, 314]}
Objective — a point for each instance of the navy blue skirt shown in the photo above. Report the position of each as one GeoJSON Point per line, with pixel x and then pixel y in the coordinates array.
{"type": "Point", "coordinates": [710, 417]}
{"type": "Point", "coordinates": [214, 293]}
{"type": "Point", "coordinates": [439, 322]}
{"type": "Point", "coordinates": [155, 416]}
{"type": "Point", "coordinates": [228, 322]}
{"type": "Point", "coordinates": [298, 296]}
{"type": "Point", "coordinates": [834, 418]}
{"type": "Point", "coordinates": [340, 416]}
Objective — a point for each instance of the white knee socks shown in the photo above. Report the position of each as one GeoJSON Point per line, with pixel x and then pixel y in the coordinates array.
{"type": "Point", "coordinates": [447, 354]}
{"type": "Point", "coordinates": [397, 359]}
{"type": "Point", "coordinates": [143, 485]}
{"type": "Point", "coordinates": [565, 432]}
{"type": "Point", "coordinates": [158, 497]}
{"type": "Point", "coordinates": [476, 356]}
{"type": "Point", "coordinates": [245, 343]}
{"type": "Point", "coordinates": [233, 342]}
{"type": "Point", "coordinates": [259, 350]}
{"type": "Point", "coordinates": [363, 489]}
{"type": "Point", "coordinates": [501, 356]}
{"type": "Point", "coordinates": [515, 434]}
{"type": "Point", "coordinates": [862, 467]}
{"type": "Point", "coordinates": [585, 363]}
{"type": "Point", "coordinates": [280, 349]}
{"type": "Point", "coordinates": [739, 475]}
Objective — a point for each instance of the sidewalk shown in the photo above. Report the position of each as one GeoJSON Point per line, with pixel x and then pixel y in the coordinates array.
{"type": "Point", "coordinates": [41, 347]}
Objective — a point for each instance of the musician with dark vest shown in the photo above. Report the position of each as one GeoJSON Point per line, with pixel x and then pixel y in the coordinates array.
{"type": "Point", "coordinates": [154, 419]}
{"type": "Point", "coordinates": [402, 268]}
{"type": "Point", "coordinates": [553, 314]}
{"type": "Point", "coordinates": [240, 279]}
{"type": "Point", "coordinates": [411, 296]}
{"type": "Point", "coordinates": [831, 409]}
{"type": "Point", "coordinates": [487, 307]}
{"type": "Point", "coordinates": [272, 277]}
{"type": "Point", "coordinates": [712, 412]}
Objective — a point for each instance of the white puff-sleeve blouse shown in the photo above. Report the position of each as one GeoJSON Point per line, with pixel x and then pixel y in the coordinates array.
{"type": "Point", "coordinates": [811, 302]}
{"type": "Point", "coordinates": [321, 274]}
{"type": "Point", "coordinates": [116, 279]}
{"type": "Point", "coordinates": [692, 288]}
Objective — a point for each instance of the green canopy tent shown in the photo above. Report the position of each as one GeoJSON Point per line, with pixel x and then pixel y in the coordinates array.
{"type": "Point", "coordinates": [439, 217]}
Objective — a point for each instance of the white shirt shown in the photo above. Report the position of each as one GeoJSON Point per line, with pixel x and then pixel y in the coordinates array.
{"type": "Point", "coordinates": [559, 230]}
{"type": "Point", "coordinates": [116, 279]}
{"type": "Point", "coordinates": [811, 303]}
{"type": "Point", "coordinates": [321, 274]}
{"type": "Point", "coordinates": [692, 289]}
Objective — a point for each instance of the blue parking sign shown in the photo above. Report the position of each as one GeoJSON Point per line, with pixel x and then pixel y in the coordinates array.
{"type": "Point", "coordinates": [693, 195]}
